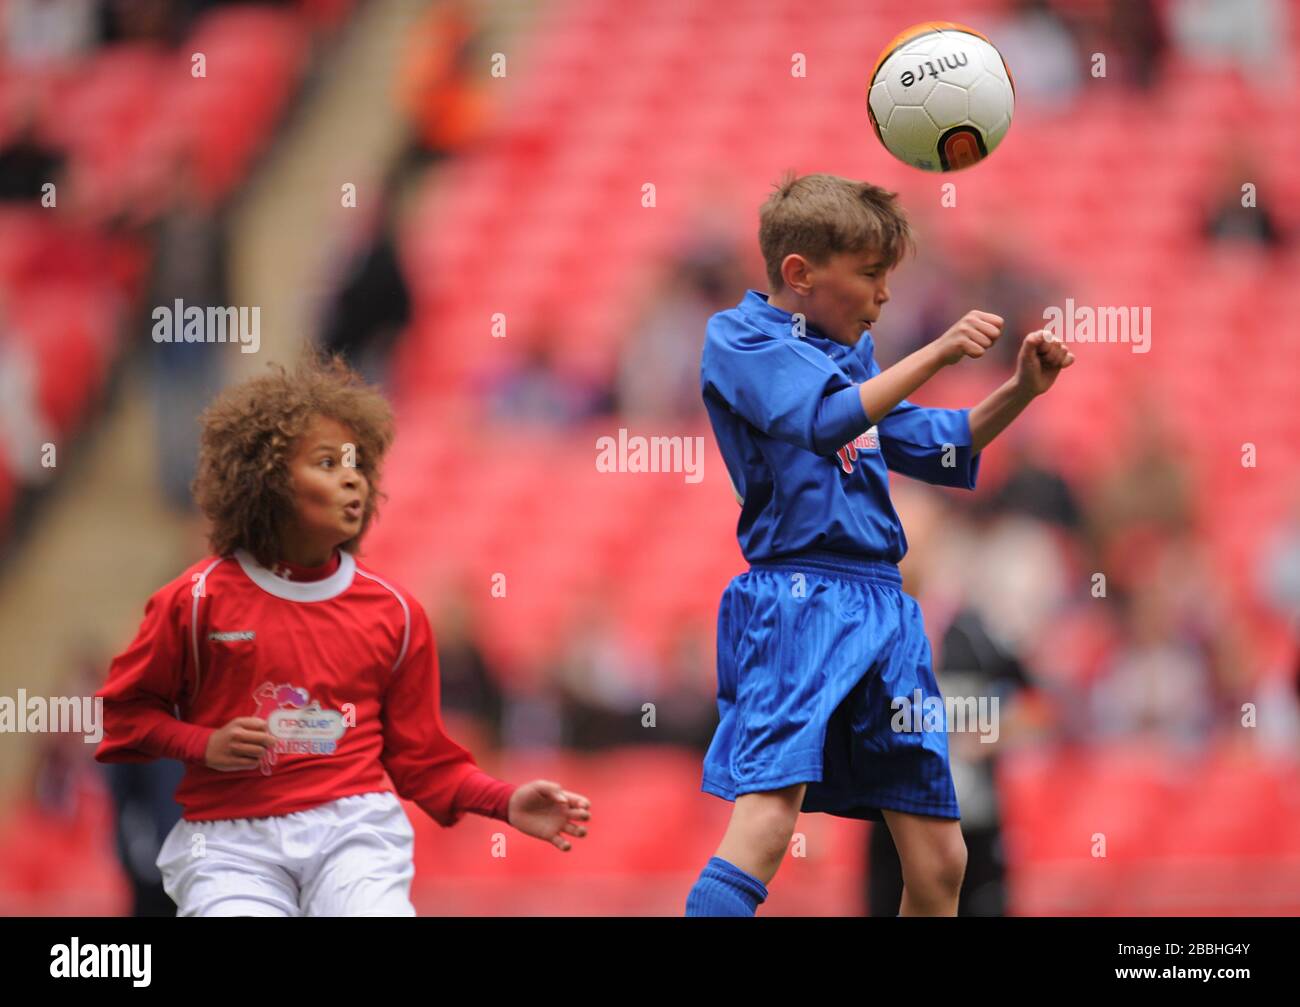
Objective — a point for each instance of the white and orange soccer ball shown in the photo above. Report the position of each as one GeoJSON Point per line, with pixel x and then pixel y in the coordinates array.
{"type": "Point", "coordinates": [941, 96]}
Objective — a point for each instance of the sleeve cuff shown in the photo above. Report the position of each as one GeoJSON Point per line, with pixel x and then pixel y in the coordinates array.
{"type": "Point", "coordinates": [973, 465]}
{"type": "Point", "coordinates": [483, 794]}
{"type": "Point", "coordinates": [840, 418]}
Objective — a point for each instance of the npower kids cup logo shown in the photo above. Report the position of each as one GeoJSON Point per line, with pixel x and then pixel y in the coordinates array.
{"type": "Point", "coordinates": [870, 441]}
{"type": "Point", "coordinates": [299, 724]}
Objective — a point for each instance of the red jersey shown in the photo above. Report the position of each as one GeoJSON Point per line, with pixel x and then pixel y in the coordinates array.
{"type": "Point", "coordinates": [343, 669]}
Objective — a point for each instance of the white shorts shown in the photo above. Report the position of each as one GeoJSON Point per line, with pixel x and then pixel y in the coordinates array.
{"type": "Point", "coordinates": [350, 857]}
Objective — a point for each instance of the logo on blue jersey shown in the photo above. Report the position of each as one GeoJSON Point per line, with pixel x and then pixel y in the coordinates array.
{"type": "Point", "coordinates": [869, 441]}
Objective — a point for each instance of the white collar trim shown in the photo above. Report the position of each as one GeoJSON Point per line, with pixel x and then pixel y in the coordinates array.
{"type": "Point", "coordinates": [292, 590]}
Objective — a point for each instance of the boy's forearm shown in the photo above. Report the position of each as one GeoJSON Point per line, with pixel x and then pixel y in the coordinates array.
{"type": "Point", "coordinates": [135, 732]}
{"type": "Point", "coordinates": [890, 387]}
{"type": "Point", "coordinates": [995, 413]}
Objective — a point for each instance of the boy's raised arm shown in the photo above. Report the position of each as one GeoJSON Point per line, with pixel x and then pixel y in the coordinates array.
{"type": "Point", "coordinates": [795, 393]}
{"type": "Point", "coordinates": [1038, 363]}
{"type": "Point", "coordinates": [974, 333]}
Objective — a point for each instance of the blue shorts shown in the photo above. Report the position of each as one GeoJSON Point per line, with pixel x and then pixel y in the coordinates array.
{"type": "Point", "coordinates": [812, 652]}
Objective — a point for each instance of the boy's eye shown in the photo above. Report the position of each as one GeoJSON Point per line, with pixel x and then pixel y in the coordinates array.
{"type": "Point", "coordinates": [328, 461]}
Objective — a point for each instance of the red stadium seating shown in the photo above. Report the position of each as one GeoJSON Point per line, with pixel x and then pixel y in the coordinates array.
{"type": "Point", "coordinates": [544, 221]}
{"type": "Point", "coordinates": [1211, 833]}
{"type": "Point", "coordinates": [122, 114]}
{"type": "Point", "coordinates": [1217, 834]}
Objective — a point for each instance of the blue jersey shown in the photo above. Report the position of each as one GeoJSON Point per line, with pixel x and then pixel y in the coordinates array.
{"type": "Point", "coordinates": [808, 463]}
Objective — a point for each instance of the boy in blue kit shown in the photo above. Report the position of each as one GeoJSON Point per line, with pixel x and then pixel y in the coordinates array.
{"type": "Point", "coordinates": [817, 638]}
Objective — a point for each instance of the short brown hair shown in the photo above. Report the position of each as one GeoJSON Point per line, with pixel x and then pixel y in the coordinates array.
{"type": "Point", "coordinates": [818, 216]}
{"type": "Point", "coordinates": [249, 433]}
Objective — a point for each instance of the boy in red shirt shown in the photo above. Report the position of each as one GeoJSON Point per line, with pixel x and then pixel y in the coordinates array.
{"type": "Point", "coordinates": [293, 681]}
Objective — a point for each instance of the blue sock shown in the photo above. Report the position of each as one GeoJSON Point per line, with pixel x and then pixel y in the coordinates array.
{"type": "Point", "coordinates": [725, 890]}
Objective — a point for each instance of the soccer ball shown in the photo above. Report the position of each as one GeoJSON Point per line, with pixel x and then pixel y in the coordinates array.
{"type": "Point", "coordinates": [941, 96]}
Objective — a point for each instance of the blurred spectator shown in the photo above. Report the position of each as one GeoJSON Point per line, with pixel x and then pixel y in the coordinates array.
{"type": "Point", "coordinates": [532, 719]}
{"type": "Point", "coordinates": [441, 80]}
{"type": "Point", "coordinates": [534, 389]}
{"type": "Point", "coordinates": [373, 305]}
{"type": "Point", "coordinates": [686, 699]}
{"type": "Point", "coordinates": [1010, 581]}
{"type": "Point", "coordinates": [1178, 664]}
{"type": "Point", "coordinates": [921, 299]}
{"type": "Point", "coordinates": [1131, 34]}
{"type": "Point", "coordinates": [971, 664]}
{"type": "Point", "coordinates": [189, 264]}
{"type": "Point", "coordinates": [659, 371]}
{"type": "Point", "coordinates": [984, 268]}
{"type": "Point", "coordinates": [996, 276]}
{"type": "Point", "coordinates": [1136, 33]}
{"type": "Point", "coordinates": [603, 682]}
{"type": "Point", "coordinates": [160, 21]}
{"type": "Point", "coordinates": [38, 32]}
{"type": "Point", "coordinates": [1278, 570]}
{"type": "Point", "coordinates": [1036, 489]}
{"type": "Point", "coordinates": [1228, 219]}
{"type": "Point", "coordinates": [65, 762]}
{"type": "Point", "coordinates": [1158, 682]}
{"type": "Point", "coordinates": [470, 694]}
{"type": "Point", "coordinates": [24, 427]}
{"type": "Point", "coordinates": [1038, 45]}
{"type": "Point", "coordinates": [27, 162]}
{"type": "Point", "coordinates": [1251, 35]}
{"type": "Point", "coordinates": [1016, 578]}
{"type": "Point", "coordinates": [1277, 578]}
{"type": "Point", "coordinates": [1150, 489]}
{"type": "Point", "coordinates": [145, 810]}
{"type": "Point", "coordinates": [142, 793]}
{"type": "Point", "coordinates": [1179, 668]}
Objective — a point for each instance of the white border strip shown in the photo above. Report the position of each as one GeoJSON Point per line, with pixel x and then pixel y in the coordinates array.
{"type": "Point", "coordinates": [406, 629]}
{"type": "Point", "coordinates": [198, 589]}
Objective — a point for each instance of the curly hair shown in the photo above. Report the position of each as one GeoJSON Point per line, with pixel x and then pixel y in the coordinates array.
{"type": "Point", "coordinates": [249, 432]}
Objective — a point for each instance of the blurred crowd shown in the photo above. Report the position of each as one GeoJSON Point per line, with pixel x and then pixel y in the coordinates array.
{"type": "Point", "coordinates": [39, 32]}
{"type": "Point", "coordinates": [1053, 46]}
{"type": "Point", "coordinates": [1008, 579]}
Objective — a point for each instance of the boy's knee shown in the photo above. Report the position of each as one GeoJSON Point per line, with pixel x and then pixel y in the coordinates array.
{"type": "Point", "coordinates": [941, 870]}
{"type": "Point", "coordinates": [951, 866]}
{"type": "Point", "coordinates": [770, 824]}
{"type": "Point", "coordinates": [947, 866]}
{"type": "Point", "coordinates": [776, 826]}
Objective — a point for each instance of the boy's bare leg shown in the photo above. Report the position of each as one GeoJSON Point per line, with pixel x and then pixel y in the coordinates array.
{"type": "Point", "coordinates": [760, 830]}
{"type": "Point", "coordinates": [933, 855]}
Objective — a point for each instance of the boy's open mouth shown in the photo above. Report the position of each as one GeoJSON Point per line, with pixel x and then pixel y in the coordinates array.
{"type": "Point", "coordinates": [353, 509]}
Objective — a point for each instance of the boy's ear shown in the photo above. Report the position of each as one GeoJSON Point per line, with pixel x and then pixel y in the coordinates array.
{"type": "Point", "coordinates": [795, 273]}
